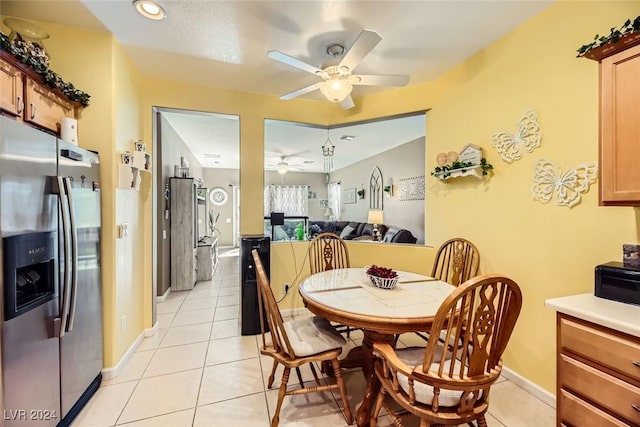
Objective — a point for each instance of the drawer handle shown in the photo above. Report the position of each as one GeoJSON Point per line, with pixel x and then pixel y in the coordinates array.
{"type": "Point", "coordinates": [635, 406]}
{"type": "Point", "coordinates": [33, 111]}
{"type": "Point", "coordinates": [635, 362]}
{"type": "Point", "coordinates": [20, 105]}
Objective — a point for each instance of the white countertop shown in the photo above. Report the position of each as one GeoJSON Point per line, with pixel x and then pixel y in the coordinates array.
{"type": "Point", "coordinates": [612, 314]}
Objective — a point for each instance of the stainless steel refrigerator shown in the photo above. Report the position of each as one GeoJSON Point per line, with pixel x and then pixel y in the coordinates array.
{"type": "Point", "coordinates": [49, 275]}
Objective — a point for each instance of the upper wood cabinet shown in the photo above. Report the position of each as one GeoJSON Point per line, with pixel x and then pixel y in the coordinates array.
{"type": "Point", "coordinates": [25, 97]}
{"type": "Point", "coordinates": [12, 93]}
{"type": "Point", "coordinates": [44, 107]}
{"type": "Point", "coordinates": [620, 128]}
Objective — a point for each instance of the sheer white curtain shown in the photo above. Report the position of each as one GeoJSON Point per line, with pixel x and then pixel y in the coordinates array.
{"type": "Point", "coordinates": [333, 192]}
{"type": "Point", "coordinates": [293, 200]}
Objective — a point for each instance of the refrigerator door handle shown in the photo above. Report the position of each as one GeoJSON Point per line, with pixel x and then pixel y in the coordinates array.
{"type": "Point", "coordinates": [74, 254]}
{"type": "Point", "coordinates": [60, 323]}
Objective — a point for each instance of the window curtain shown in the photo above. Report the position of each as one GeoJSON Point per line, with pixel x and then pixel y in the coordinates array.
{"type": "Point", "coordinates": [293, 200]}
{"type": "Point", "coordinates": [334, 202]}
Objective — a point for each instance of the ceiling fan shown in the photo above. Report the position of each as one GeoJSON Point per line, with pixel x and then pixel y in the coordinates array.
{"type": "Point", "coordinates": [283, 167]}
{"type": "Point", "coordinates": [338, 80]}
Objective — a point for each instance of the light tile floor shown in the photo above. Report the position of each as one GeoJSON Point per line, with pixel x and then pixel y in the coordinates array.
{"type": "Point", "coordinates": [199, 371]}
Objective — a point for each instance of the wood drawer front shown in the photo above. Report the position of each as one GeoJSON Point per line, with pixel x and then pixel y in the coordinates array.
{"type": "Point", "coordinates": [606, 349]}
{"type": "Point", "coordinates": [576, 412]}
{"type": "Point", "coordinates": [604, 390]}
{"type": "Point", "coordinates": [11, 96]}
{"type": "Point", "coordinates": [45, 108]}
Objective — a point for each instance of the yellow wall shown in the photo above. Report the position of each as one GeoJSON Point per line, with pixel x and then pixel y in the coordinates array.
{"type": "Point", "coordinates": [129, 298]}
{"type": "Point", "coordinates": [548, 250]}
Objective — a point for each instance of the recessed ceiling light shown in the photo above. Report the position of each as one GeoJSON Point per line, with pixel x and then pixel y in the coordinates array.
{"type": "Point", "coordinates": [347, 137]}
{"type": "Point", "coordinates": [150, 9]}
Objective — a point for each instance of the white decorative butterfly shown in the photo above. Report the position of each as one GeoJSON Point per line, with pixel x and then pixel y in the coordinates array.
{"type": "Point", "coordinates": [549, 179]}
{"type": "Point", "coordinates": [528, 137]}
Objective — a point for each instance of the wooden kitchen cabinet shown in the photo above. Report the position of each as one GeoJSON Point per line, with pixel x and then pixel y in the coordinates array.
{"type": "Point", "coordinates": [598, 375]}
{"type": "Point", "coordinates": [620, 128]}
{"type": "Point", "coordinates": [12, 93]}
{"type": "Point", "coordinates": [44, 107]}
{"type": "Point", "coordinates": [28, 99]}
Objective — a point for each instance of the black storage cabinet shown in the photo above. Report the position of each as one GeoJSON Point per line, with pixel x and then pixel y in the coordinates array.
{"type": "Point", "coordinates": [249, 311]}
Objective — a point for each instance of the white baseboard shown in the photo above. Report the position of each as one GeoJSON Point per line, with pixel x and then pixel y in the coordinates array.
{"type": "Point", "coordinates": [114, 371]}
{"type": "Point", "coordinates": [149, 332]}
{"type": "Point", "coordinates": [529, 386]}
{"type": "Point", "coordinates": [164, 296]}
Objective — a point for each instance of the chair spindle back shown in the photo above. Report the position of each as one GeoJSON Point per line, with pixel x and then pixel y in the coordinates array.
{"type": "Point", "coordinates": [476, 321]}
{"type": "Point", "coordinates": [457, 261]}
{"type": "Point", "coordinates": [267, 303]}
{"type": "Point", "coordinates": [327, 252]}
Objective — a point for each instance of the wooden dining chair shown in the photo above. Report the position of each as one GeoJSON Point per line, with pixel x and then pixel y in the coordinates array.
{"type": "Point", "coordinates": [450, 384]}
{"type": "Point", "coordinates": [328, 251]}
{"type": "Point", "coordinates": [457, 261]}
{"type": "Point", "coordinates": [295, 343]}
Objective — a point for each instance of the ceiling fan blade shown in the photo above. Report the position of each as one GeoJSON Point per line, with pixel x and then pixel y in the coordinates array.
{"type": "Point", "coordinates": [300, 92]}
{"type": "Point", "coordinates": [347, 103]}
{"type": "Point", "coordinates": [364, 44]}
{"type": "Point", "coordinates": [379, 79]}
{"type": "Point", "coordinates": [290, 60]}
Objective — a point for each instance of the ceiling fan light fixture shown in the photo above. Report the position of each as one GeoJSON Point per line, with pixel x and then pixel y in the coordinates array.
{"type": "Point", "coordinates": [282, 168]}
{"type": "Point", "coordinates": [150, 9]}
{"type": "Point", "coordinates": [336, 89]}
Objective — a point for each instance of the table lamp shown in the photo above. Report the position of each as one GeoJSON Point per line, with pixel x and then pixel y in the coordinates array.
{"type": "Point", "coordinates": [329, 213]}
{"type": "Point", "coordinates": [375, 217]}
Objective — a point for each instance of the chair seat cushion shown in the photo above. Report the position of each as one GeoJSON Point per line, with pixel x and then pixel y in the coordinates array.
{"type": "Point", "coordinates": [414, 356]}
{"type": "Point", "coordinates": [312, 335]}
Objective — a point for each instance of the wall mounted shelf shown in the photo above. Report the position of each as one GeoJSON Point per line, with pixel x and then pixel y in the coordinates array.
{"type": "Point", "coordinates": [455, 173]}
{"type": "Point", "coordinates": [130, 174]}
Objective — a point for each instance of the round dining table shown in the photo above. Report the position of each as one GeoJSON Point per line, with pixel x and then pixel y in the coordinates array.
{"type": "Point", "coordinates": [347, 296]}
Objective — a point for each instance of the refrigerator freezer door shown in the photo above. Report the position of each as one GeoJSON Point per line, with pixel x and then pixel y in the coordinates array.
{"type": "Point", "coordinates": [31, 380]}
{"type": "Point", "coordinates": [30, 356]}
{"type": "Point", "coordinates": [81, 346]}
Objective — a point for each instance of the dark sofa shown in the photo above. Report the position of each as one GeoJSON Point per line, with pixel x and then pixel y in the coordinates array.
{"type": "Point", "coordinates": [350, 230]}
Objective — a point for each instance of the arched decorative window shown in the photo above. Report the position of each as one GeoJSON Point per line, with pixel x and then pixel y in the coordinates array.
{"type": "Point", "coordinates": [375, 189]}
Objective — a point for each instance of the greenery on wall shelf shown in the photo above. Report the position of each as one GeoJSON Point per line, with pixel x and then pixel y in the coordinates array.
{"type": "Point", "coordinates": [361, 193]}
{"type": "Point", "coordinates": [36, 58]}
{"type": "Point", "coordinates": [461, 168]}
{"type": "Point", "coordinates": [615, 34]}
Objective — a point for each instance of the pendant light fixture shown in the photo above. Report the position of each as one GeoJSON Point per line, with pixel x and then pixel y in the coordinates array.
{"type": "Point", "coordinates": [327, 151]}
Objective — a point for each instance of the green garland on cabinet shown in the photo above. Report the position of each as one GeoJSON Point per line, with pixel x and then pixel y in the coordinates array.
{"type": "Point", "coordinates": [629, 27]}
{"type": "Point", "coordinates": [34, 56]}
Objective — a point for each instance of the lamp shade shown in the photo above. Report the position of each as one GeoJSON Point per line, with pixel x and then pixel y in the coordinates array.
{"type": "Point", "coordinates": [375, 217]}
{"type": "Point", "coordinates": [336, 89]}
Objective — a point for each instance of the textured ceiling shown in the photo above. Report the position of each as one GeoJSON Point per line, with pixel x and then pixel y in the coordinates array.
{"type": "Point", "coordinates": [225, 43]}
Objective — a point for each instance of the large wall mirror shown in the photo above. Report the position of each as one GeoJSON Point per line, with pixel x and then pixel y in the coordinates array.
{"type": "Point", "coordinates": [325, 174]}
